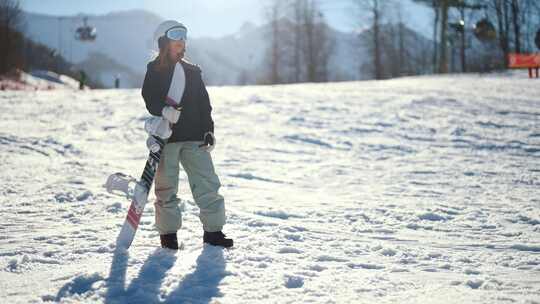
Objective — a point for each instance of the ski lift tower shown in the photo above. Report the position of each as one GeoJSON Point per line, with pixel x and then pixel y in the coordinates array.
{"type": "Point", "coordinates": [460, 28]}
{"type": "Point", "coordinates": [537, 39]}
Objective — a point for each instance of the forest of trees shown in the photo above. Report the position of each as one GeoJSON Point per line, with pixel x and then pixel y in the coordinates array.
{"type": "Point", "coordinates": [10, 38]}
{"type": "Point", "coordinates": [300, 46]}
{"type": "Point", "coordinates": [514, 23]}
{"type": "Point", "coordinates": [468, 36]}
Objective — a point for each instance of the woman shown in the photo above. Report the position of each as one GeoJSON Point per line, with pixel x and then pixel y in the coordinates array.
{"type": "Point", "coordinates": [190, 144]}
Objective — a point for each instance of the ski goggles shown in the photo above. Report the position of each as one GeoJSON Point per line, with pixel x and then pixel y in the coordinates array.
{"type": "Point", "coordinates": [177, 33]}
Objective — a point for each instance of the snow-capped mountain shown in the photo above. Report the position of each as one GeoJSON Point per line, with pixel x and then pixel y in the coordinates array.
{"type": "Point", "coordinates": [125, 44]}
{"type": "Point", "coordinates": [126, 37]}
{"type": "Point", "coordinates": [122, 36]}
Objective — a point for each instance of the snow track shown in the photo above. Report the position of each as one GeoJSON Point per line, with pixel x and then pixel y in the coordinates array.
{"type": "Point", "coordinates": [413, 190]}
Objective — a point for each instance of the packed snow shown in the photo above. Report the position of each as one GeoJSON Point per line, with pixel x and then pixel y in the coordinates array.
{"type": "Point", "coordinates": [414, 190]}
{"type": "Point", "coordinates": [37, 80]}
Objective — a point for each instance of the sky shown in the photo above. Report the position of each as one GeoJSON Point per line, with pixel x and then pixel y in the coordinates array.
{"type": "Point", "coordinates": [215, 18]}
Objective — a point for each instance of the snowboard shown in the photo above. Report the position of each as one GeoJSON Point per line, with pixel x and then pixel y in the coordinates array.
{"type": "Point", "coordinates": [137, 191]}
{"type": "Point", "coordinates": [139, 197]}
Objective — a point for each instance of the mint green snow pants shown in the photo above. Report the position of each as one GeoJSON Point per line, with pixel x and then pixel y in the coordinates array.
{"type": "Point", "coordinates": [203, 181]}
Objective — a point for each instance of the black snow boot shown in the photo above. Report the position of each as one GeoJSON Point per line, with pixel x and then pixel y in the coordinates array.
{"type": "Point", "coordinates": [169, 241]}
{"type": "Point", "coordinates": [217, 239]}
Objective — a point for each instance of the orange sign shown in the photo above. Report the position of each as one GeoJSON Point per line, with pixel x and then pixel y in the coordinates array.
{"type": "Point", "coordinates": [523, 61]}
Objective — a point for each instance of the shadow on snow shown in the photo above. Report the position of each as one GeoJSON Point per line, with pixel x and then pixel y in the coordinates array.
{"type": "Point", "coordinates": [200, 286]}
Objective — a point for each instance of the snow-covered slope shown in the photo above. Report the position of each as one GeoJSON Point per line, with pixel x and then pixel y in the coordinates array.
{"type": "Point", "coordinates": [38, 80]}
{"type": "Point", "coordinates": [414, 190]}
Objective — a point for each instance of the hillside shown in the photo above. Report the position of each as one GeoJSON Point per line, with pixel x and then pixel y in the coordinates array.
{"type": "Point", "coordinates": [413, 190]}
{"type": "Point", "coordinates": [224, 60]}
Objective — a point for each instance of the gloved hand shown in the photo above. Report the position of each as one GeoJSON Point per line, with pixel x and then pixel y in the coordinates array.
{"type": "Point", "coordinates": [158, 126]}
{"type": "Point", "coordinates": [209, 142]}
{"type": "Point", "coordinates": [170, 114]}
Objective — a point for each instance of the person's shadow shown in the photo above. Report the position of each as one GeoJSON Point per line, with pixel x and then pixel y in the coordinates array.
{"type": "Point", "coordinates": [199, 286]}
{"type": "Point", "coordinates": [145, 287]}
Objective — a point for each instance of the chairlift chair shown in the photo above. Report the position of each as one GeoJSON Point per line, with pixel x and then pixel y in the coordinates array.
{"type": "Point", "coordinates": [86, 32]}
{"type": "Point", "coordinates": [485, 31]}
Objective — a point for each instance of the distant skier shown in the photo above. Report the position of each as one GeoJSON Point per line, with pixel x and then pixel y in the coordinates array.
{"type": "Point", "coordinates": [190, 144]}
{"type": "Point", "coordinates": [82, 80]}
{"type": "Point", "coordinates": [117, 81]}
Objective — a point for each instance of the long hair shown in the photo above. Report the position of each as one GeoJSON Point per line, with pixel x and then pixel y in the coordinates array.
{"type": "Point", "coordinates": [163, 58]}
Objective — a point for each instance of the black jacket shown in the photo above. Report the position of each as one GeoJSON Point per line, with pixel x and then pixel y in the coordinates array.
{"type": "Point", "coordinates": [196, 118]}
